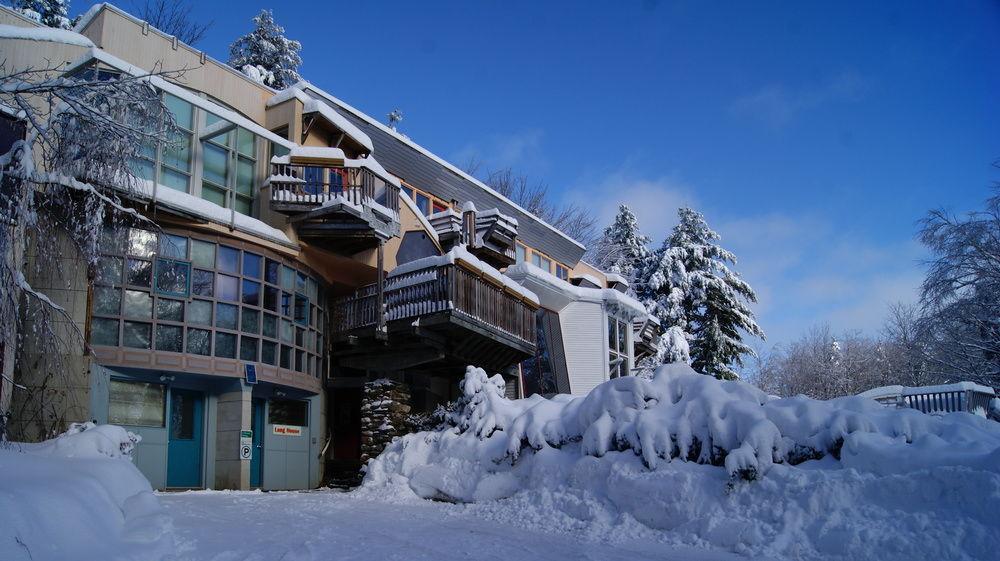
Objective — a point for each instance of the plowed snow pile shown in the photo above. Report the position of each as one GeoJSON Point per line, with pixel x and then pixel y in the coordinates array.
{"type": "Point", "coordinates": [78, 496]}
{"type": "Point", "coordinates": [715, 463]}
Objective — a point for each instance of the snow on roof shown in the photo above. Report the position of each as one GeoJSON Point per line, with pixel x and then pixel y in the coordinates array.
{"type": "Point", "coordinates": [615, 277]}
{"type": "Point", "coordinates": [320, 152]}
{"type": "Point", "coordinates": [460, 253]}
{"type": "Point", "coordinates": [90, 14]}
{"type": "Point", "coordinates": [889, 391]}
{"type": "Point", "coordinates": [372, 164]}
{"type": "Point", "coordinates": [45, 34]}
{"type": "Point", "coordinates": [404, 139]}
{"type": "Point", "coordinates": [213, 212]}
{"type": "Point", "coordinates": [312, 105]}
{"type": "Point", "coordinates": [186, 95]}
{"type": "Point", "coordinates": [526, 271]}
{"type": "Point", "coordinates": [589, 278]}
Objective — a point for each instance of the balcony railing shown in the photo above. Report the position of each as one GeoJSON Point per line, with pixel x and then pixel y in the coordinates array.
{"type": "Point", "coordinates": [356, 311]}
{"type": "Point", "coordinates": [437, 289]}
{"type": "Point", "coordinates": [310, 186]}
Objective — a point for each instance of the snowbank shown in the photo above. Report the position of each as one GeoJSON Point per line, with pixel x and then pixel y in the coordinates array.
{"type": "Point", "coordinates": [839, 479]}
{"type": "Point", "coordinates": [78, 496]}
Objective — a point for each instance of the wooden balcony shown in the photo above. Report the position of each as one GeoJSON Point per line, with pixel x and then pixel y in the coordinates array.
{"type": "Point", "coordinates": [440, 318]}
{"type": "Point", "coordinates": [344, 209]}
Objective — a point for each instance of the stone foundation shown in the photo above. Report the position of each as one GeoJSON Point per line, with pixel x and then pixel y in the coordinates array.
{"type": "Point", "coordinates": [385, 408]}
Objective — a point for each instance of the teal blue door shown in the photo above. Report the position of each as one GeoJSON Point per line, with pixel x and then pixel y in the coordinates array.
{"type": "Point", "coordinates": [184, 446]}
{"type": "Point", "coordinates": [257, 424]}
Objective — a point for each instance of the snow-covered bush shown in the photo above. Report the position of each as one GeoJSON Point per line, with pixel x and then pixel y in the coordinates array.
{"type": "Point", "coordinates": [78, 496]}
{"type": "Point", "coordinates": [672, 452]}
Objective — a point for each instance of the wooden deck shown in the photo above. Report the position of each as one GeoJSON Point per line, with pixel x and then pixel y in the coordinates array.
{"type": "Point", "coordinates": [440, 317]}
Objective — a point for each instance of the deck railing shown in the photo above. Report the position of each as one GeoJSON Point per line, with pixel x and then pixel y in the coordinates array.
{"type": "Point", "coordinates": [296, 184]}
{"type": "Point", "coordinates": [357, 310]}
{"type": "Point", "coordinates": [436, 289]}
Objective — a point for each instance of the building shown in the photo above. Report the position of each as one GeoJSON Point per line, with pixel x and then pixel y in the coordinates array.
{"type": "Point", "coordinates": [303, 250]}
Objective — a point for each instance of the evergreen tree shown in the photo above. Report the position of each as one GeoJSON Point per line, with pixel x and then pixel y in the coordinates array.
{"type": "Point", "coordinates": [266, 55]}
{"type": "Point", "coordinates": [623, 249]}
{"type": "Point", "coordinates": [53, 13]}
{"type": "Point", "coordinates": [688, 285]}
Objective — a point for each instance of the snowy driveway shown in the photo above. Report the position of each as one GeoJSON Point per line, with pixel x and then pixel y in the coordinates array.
{"type": "Point", "coordinates": [327, 525]}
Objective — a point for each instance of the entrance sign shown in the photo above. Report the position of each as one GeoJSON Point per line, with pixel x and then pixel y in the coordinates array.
{"type": "Point", "coordinates": [287, 430]}
{"type": "Point", "coordinates": [250, 373]}
{"type": "Point", "coordinates": [246, 444]}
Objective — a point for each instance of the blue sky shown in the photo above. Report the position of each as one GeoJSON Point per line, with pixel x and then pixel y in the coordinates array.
{"type": "Point", "coordinates": [812, 137]}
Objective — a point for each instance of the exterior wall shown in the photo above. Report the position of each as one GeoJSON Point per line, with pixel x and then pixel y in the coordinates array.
{"type": "Point", "coordinates": [584, 332]}
{"type": "Point", "coordinates": [584, 268]}
{"type": "Point", "coordinates": [233, 416]}
{"type": "Point", "coordinates": [123, 36]}
{"type": "Point", "coordinates": [57, 379]}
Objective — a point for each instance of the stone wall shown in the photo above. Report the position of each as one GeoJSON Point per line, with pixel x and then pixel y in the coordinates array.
{"type": "Point", "coordinates": [385, 407]}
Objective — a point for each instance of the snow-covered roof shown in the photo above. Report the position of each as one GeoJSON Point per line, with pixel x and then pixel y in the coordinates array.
{"type": "Point", "coordinates": [312, 105]}
{"type": "Point", "coordinates": [212, 212]}
{"type": "Point", "coordinates": [177, 91]}
{"type": "Point", "coordinates": [318, 152]}
{"type": "Point", "coordinates": [303, 85]}
{"type": "Point", "coordinates": [562, 293]}
{"type": "Point", "coordinates": [615, 277]}
{"type": "Point", "coordinates": [589, 278]}
{"type": "Point", "coordinates": [44, 34]}
{"type": "Point", "coordinates": [890, 391]}
{"type": "Point", "coordinates": [460, 253]}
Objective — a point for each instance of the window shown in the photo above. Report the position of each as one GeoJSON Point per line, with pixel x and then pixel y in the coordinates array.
{"type": "Point", "coordinates": [543, 263]}
{"type": "Point", "coordinates": [288, 412]}
{"type": "Point", "coordinates": [173, 277]}
{"type": "Point", "coordinates": [427, 204]}
{"type": "Point", "coordinates": [521, 251]}
{"type": "Point", "coordinates": [562, 272]}
{"type": "Point", "coordinates": [229, 161]}
{"type": "Point", "coordinates": [224, 302]}
{"type": "Point", "coordinates": [618, 360]}
{"type": "Point", "coordinates": [175, 155]}
{"type": "Point", "coordinates": [137, 404]}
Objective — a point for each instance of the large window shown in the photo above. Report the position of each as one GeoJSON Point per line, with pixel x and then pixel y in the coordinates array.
{"type": "Point", "coordinates": [228, 159]}
{"type": "Point", "coordinates": [229, 164]}
{"type": "Point", "coordinates": [178, 294]}
{"type": "Point", "coordinates": [137, 404]}
{"type": "Point", "coordinates": [618, 361]}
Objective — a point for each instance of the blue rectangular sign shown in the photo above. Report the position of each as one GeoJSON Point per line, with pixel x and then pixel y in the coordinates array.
{"type": "Point", "coordinates": [250, 371]}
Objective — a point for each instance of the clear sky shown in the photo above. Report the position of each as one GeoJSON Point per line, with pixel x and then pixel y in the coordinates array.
{"type": "Point", "coordinates": [812, 137]}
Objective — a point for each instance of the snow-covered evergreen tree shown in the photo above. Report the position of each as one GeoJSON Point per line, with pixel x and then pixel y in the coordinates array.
{"type": "Point", "coordinates": [53, 13]}
{"type": "Point", "coordinates": [623, 249]}
{"type": "Point", "coordinates": [266, 55]}
{"type": "Point", "coordinates": [688, 285]}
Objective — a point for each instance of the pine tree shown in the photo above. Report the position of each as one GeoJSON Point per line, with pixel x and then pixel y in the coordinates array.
{"type": "Point", "coordinates": [688, 285]}
{"type": "Point", "coordinates": [623, 249]}
{"type": "Point", "coordinates": [266, 55]}
{"type": "Point", "coordinates": [53, 13]}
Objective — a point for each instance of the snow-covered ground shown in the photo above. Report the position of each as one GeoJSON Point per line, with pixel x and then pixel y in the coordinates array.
{"type": "Point", "coordinates": [328, 525]}
{"type": "Point", "coordinates": [701, 462]}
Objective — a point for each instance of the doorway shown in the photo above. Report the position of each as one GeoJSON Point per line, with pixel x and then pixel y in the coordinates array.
{"type": "Point", "coordinates": [185, 438]}
{"type": "Point", "coordinates": [256, 459]}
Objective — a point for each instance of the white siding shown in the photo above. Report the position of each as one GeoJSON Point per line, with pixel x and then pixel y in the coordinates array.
{"type": "Point", "coordinates": [585, 341]}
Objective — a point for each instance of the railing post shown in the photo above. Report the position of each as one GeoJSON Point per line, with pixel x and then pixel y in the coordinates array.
{"type": "Point", "coordinates": [380, 302]}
